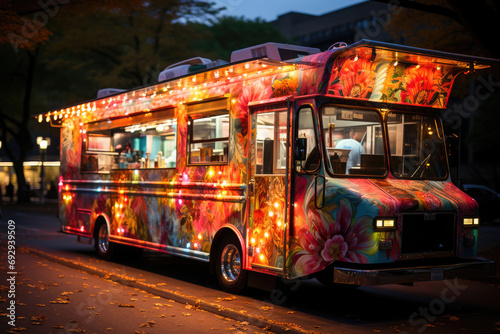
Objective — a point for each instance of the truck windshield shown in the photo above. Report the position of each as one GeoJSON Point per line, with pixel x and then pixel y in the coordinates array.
{"type": "Point", "coordinates": [417, 148]}
{"type": "Point", "coordinates": [353, 141]}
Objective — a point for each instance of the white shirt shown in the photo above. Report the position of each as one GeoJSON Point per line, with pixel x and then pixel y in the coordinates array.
{"type": "Point", "coordinates": [355, 153]}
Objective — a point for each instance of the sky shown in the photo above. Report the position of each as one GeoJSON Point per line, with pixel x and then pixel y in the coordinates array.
{"type": "Point", "coordinates": [269, 10]}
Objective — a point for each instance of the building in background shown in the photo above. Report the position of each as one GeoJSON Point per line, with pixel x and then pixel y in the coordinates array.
{"type": "Point", "coordinates": [366, 20]}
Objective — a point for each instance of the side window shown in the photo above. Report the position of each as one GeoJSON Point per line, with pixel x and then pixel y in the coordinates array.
{"type": "Point", "coordinates": [305, 129]}
{"type": "Point", "coordinates": [147, 145]}
{"type": "Point", "coordinates": [138, 145]}
{"type": "Point", "coordinates": [209, 140]}
{"type": "Point", "coordinates": [271, 135]}
{"type": "Point", "coordinates": [97, 153]}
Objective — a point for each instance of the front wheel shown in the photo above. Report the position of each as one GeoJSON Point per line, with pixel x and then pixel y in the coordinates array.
{"type": "Point", "coordinates": [229, 265]}
{"type": "Point", "coordinates": [105, 249]}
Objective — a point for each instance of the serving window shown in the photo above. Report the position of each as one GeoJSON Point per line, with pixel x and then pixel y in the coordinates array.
{"type": "Point", "coordinates": [131, 143]}
{"type": "Point", "coordinates": [209, 139]}
{"type": "Point", "coordinates": [208, 132]}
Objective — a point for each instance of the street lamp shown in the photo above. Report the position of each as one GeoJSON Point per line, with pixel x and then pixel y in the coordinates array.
{"type": "Point", "coordinates": [43, 143]}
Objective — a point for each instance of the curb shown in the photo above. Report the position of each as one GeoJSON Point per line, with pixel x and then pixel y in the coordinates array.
{"type": "Point", "coordinates": [261, 322]}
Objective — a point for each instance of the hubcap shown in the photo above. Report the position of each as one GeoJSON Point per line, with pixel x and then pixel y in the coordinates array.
{"type": "Point", "coordinates": [103, 242]}
{"type": "Point", "coordinates": [230, 263]}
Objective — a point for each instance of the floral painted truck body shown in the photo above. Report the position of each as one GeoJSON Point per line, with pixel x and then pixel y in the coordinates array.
{"type": "Point", "coordinates": [250, 166]}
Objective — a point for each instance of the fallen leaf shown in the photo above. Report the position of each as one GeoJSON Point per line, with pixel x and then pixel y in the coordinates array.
{"type": "Point", "coordinates": [126, 305]}
{"type": "Point", "coordinates": [226, 298]}
{"type": "Point", "coordinates": [18, 329]}
{"type": "Point", "coordinates": [59, 301]}
{"type": "Point", "coordinates": [453, 318]}
{"type": "Point", "coordinates": [40, 317]}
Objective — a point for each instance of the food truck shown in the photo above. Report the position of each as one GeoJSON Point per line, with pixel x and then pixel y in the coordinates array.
{"type": "Point", "coordinates": [284, 163]}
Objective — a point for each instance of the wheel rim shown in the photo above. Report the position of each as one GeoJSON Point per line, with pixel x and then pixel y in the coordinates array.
{"type": "Point", "coordinates": [230, 263]}
{"type": "Point", "coordinates": [103, 241]}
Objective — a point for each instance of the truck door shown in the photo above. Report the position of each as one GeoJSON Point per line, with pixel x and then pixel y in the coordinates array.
{"type": "Point", "coordinates": [268, 188]}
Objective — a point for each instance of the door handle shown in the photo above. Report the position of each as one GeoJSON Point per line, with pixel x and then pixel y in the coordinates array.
{"type": "Point", "coordinates": [251, 187]}
{"type": "Point", "coordinates": [320, 191]}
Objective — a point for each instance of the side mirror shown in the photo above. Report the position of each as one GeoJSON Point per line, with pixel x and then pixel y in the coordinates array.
{"type": "Point", "coordinates": [300, 149]}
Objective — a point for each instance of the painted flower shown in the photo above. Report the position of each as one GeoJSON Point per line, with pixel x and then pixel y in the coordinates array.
{"type": "Point", "coordinates": [335, 248]}
{"type": "Point", "coordinates": [284, 85]}
{"type": "Point", "coordinates": [421, 85]}
{"type": "Point", "coordinates": [356, 79]}
{"type": "Point", "coordinates": [255, 90]}
{"type": "Point", "coordinates": [326, 240]}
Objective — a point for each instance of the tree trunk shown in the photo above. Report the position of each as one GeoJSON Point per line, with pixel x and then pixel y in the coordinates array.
{"type": "Point", "coordinates": [23, 189]}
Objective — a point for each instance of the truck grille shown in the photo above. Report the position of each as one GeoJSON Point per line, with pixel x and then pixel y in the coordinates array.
{"type": "Point", "coordinates": [429, 234]}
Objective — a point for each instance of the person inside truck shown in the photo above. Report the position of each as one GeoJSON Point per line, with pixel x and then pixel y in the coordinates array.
{"type": "Point", "coordinates": [356, 149]}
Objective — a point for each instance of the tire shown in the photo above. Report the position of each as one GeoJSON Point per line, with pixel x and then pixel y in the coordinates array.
{"type": "Point", "coordinates": [104, 248]}
{"type": "Point", "coordinates": [228, 265]}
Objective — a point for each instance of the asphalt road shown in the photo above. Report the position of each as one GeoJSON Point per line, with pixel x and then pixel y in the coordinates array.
{"type": "Point", "coordinates": [165, 294]}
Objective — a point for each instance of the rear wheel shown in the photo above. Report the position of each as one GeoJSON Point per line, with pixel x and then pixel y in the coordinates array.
{"type": "Point", "coordinates": [229, 265]}
{"type": "Point", "coordinates": [105, 249]}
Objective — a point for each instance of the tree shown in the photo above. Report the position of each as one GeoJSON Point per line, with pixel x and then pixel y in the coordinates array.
{"type": "Point", "coordinates": [30, 28]}
{"type": "Point", "coordinates": [127, 48]}
{"type": "Point", "coordinates": [229, 33]}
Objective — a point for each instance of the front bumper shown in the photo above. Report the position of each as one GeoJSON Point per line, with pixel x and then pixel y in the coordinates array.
{"type": "Point", "coordinates": [412, 271]}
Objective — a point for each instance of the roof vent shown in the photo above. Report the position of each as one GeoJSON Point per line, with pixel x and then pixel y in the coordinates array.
{"type": "Point", "coordinates": [108, 91]}
{"type": "Point", "coordinates": [275, 51]}
{"type": "Point", "coordinates": [183, 67]}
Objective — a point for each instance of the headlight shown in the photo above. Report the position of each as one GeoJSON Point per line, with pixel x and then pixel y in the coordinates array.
{"type": "Point", "coordinates": [384, 223]}
{"type": "Point", "coordinates": [470, 222]}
